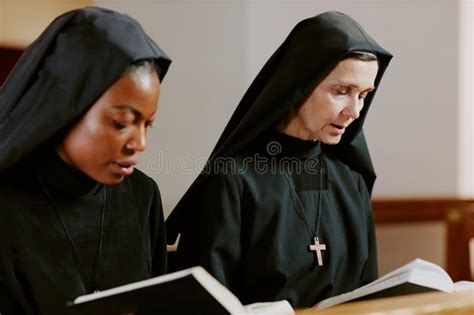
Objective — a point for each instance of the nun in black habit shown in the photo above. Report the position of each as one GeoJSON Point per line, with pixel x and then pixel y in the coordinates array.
{"type": "Point", "coordinates": [282, 209]}
{"type": "Point", "coordinates": [74, 215]}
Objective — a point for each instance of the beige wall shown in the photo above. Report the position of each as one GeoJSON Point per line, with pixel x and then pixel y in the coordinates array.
{"type": "Point", "coordinates": [466, 98]}
{"type": "Point", "coordinates": [21, 21]}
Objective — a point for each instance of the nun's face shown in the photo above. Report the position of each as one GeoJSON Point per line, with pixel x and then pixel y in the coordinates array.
{"type": "Point", "coordinates": [335, 103]}
{"type": "Point", "coordinates": [106, 141]}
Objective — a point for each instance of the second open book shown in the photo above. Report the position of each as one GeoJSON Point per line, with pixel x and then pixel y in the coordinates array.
{"type": "Point", "coordinates": [417, 276]}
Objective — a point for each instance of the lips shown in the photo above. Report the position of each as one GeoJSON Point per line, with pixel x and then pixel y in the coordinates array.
{"type": "Point", "coordinates": [124, 168]}
{"type": "Point", "coordinates": [338, 129]}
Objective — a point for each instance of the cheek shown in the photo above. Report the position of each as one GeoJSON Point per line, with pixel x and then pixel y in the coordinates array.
{"type": "Point", "coordinates": [333, 111]}
{"type": "Point", "coordinates": [90, 143]}
{"type": "Point", "coordinates": [92, 136]}
{"type": "Point", "coordinates": [326, 106]}
{"type": "Point", "coordinates": [319, 114]}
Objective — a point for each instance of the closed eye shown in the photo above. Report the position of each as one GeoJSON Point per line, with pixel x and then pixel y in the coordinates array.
{"type": "Point", "coordinates": [364, 94]}
{"type": "Point", "coordinates": [118, 125]}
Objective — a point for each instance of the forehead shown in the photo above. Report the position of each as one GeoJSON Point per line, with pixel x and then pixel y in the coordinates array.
{"type": "Point", "coordinates": [139, 91]}
{"type": "Point", "coordinates": [353, 71]}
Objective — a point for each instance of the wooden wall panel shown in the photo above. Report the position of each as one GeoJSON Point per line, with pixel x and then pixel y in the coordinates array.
{"type": "Point", "coordinates": [456, 213]}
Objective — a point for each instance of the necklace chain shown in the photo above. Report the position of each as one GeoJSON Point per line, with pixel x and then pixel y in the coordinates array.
{"type": "Point", "coordinates": [313, 233]}
{"type": "Point", "coordinates": [92, 278]}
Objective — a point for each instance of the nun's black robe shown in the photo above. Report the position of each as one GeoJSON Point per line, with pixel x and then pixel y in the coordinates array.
{"type": "Point", "coordinates": [250, 232]}
{"type": "Point", "coordinates": [39, 273]}
{"type": "Point", "coordinates": [246, 225]}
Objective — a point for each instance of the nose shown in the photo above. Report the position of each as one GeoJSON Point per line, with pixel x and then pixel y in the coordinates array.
{"type": "Point", "coordinates": [137, 141]}
{"type": "Point", "coordinates": [353, 108]}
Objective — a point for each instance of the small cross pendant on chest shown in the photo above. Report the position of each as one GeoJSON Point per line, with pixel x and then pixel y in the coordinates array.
{"type": "Point", "coordinates": [316, 247]}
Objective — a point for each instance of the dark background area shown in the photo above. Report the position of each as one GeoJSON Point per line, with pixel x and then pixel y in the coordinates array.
{"type": "Point", "coordinates": [8, 58]}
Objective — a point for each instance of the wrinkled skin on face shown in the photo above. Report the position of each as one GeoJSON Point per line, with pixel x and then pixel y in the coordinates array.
{"type": "Point", "coordinates": [335, 102]}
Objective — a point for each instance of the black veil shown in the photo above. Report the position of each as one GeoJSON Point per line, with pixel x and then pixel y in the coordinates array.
{"type": "Point", "coordinates": [63, 72]}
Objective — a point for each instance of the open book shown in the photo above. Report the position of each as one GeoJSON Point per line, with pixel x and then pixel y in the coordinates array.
{"type": "Point", "coordinates": [190, 291]}
{"type": "Point", "coordinates": [418, 276]}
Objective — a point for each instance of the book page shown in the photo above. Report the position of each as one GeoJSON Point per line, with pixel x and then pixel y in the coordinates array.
{"type": "Point", "coordinates": [365, 290]}
{"type": "Point", "coordinates": [419, 264]}
{"type": "Point", "coordinates": [269, 308]}
{"type": "Point", "coordinates": [463, 285]}
{"type": "Point", "coordinates": [134, 286]}
{"type": "Point", "coordinates": [431, 278]}
{"type": "Point", "coordinates": [419, 272]}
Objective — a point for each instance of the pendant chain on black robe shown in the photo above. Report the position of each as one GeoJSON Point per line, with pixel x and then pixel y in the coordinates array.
{"type": "Point", "coordinates": [91, 278]}
{"type": "Point", "coordinates": [317, 247]}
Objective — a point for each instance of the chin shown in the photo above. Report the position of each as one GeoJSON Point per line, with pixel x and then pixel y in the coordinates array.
{"type": "Point", "coordinates": [111, 179]}
{"type": "Point", "coordinates": [116, 181]}
{"type": "Point", "coordinates": [331, 140]}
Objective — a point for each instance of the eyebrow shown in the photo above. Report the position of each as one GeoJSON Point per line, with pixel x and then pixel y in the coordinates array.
{"type": "Point", "coordinates": [353, 85]}
{"type": "Point", "coordinates": [132, 109]}
{"type": "Point", "coordinates": [138, 115]}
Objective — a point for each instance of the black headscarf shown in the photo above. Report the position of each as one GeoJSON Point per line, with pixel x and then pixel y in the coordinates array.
{"type": "Point", "coordinates": [63, 72]}
{"type": "Point", "coordinates": [310, 52]}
